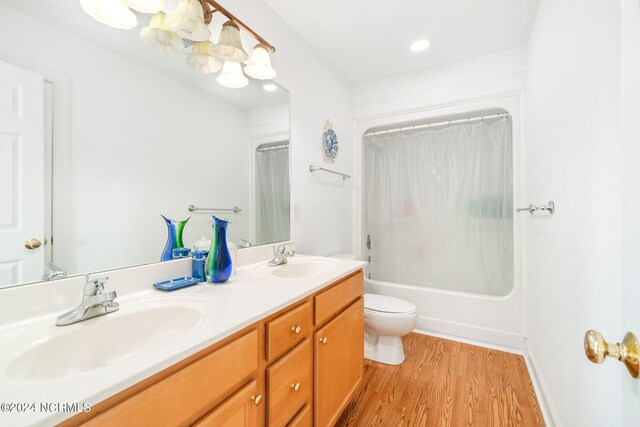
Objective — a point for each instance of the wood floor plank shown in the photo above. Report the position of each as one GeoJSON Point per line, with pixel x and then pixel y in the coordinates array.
{"type": "Point", "coordinates": [445, 383]}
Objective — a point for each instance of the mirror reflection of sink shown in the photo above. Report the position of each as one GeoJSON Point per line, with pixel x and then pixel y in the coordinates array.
{"type": "Point", "coordinates": [138, 327]}
{"type": "Point", "coordinates": [306, 268]}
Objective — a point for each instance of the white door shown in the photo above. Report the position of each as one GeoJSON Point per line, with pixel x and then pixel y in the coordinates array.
{"type": "Point", "coordinates": [21, 175]}
{"type": "Point", "coordinates": [630, 90]}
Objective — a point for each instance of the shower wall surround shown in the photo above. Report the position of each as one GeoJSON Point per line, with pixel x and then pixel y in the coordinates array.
{"type": "Point", "coordinates": [491, 83]}
{"type": "Point", "coordinates": [438, 206]}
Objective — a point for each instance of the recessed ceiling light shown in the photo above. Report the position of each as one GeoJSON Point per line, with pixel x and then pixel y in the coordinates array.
{"type": "Point", "coordinates": [270, 87]}
{"type": "Point", "coordinates": [420, 45]}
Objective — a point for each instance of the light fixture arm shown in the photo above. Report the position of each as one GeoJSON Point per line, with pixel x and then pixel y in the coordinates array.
{"type": "Point", "coordinates": [208, 12]}
{"type": "Point", "coordinates": [215, 7]}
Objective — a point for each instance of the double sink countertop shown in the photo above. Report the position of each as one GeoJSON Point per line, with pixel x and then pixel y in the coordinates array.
{"type": "Point", "coordinates": [87, 362]}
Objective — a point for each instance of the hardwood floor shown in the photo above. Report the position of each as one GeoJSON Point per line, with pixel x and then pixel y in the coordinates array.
{"type": "Point", "coordinates": [445, 383]}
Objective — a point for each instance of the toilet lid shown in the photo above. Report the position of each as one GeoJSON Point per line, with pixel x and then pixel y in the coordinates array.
{"type": "Point", "coordinates": [387, 304]}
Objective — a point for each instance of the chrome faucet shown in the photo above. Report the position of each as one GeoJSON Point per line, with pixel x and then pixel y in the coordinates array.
{"type": "Point", "coordinates": [95, 302]}
{"type": "Point", "coordinates": [242, 244]}
{"type": "Point", "coordinates": [53, 272]}
{"type": "Point", "coordinates": [281, 254]}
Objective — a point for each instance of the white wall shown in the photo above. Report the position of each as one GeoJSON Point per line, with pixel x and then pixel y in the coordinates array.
{"type": "Point", "coordinates": [454, 83]}
{"type": "Point", "coordinates": [317, 93]}
{"type": "Point", "coordinates": [265, 125]}
{"type": "Point", "coordinates": [574, 158]}
{"type": "Point", "coordinates": [140, 144]}
{"type": "Point", "coordinates": [486, 83]}
{"type": "Point", "coordinates": [630, 90]}
{"type": "Point", "coordinates": [268, 122]}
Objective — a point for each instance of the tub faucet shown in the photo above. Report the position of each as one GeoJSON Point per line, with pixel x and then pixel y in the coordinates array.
{"type": "Point", "coordinates": [95, 302]}
{"type": "Point", "coordinates": [281, 254]}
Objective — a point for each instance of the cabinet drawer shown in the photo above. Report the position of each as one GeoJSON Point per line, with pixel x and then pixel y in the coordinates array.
{"type": "Point", "coordinates": [289, 384]}
{"type": "Point", "coordinates": [190, 393]}
{"type": "Point", "coordinates": [288, 330]}
{"type": "Point", "coordinates": [237, 411]}
{"type": "Point", "coordinates": [333, 300]}
{"type": "Point", "coordinates": [303, 419]}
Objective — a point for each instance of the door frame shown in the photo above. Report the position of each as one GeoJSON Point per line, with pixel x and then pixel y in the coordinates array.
{"type": "Point", "coordinates": [60, 205]}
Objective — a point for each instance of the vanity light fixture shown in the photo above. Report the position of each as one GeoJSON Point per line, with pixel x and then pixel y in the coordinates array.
{"type": "Point", "coordinates": [188, 21]}
{"type": "Point", "coordinates": [145, 6]}
{"type": "Point", "coordinates": [259, 65]}
{"type": "Point", "coordinates": [232, 76]}
{"type": "Point", "coordinates": [113, 13]}
{"type": "Point", "coordinates": [159, 37]}
{"type": "Point", "coordinates": [229, 46]}
{"type": "Point", "coordinates": [188, 25]}
{"type": "Point", "coordinates": [270, 87]}
{"type": "Point", "coordinates": [202, 58]}
{"type": "Point", "coordinates": [420, 45]}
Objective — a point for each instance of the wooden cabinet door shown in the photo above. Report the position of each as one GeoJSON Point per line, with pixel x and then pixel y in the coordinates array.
{"type": "Point", "coordinates": [339, 363]}
{"type": "Point", "coordinates": [240, 410]}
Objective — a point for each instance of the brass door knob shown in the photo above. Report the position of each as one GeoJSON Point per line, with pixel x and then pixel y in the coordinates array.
{"type": "Point", "coordinates": [296, 329]}
{"type": "Point", "coordinates": [597, 350]}
{"type": "Point", "coordinates": [295, 387]}
{"type": "Point", "coordinates": [323, 341]}
{"type": "Point", "coordinates": [32, 244]}
{"type": "Point", "coordinates": [257, 399]}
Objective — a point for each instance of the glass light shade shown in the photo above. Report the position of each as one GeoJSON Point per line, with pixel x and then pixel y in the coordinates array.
{"type": "Point", "coordinates": [232, 76]}
{"type": "Point", "coordinates": [202, 59]}
{"type": "Point", "coordinates": [259, 66]}
{"type": "Point", "coordinates": [229, 46]}
{"type": "Point", "coordinates": [188, 21]}
{"type": "Point", "coordinates": [113, 13]}
{"type": "Point", "coordinates": [159, 37]}
{"type": "Point", "coordinates": [145, 6]}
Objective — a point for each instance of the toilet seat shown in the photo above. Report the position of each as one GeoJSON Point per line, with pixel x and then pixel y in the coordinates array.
{"type": "Point", "coordinates": [390, 306]}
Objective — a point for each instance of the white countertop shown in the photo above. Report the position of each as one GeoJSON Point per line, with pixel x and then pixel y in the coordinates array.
{"type": "Point", "coordinates": [253, 294]}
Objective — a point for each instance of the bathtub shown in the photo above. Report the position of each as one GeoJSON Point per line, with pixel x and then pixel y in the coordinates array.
{"type": "Point", "coordinates": [495, 321]}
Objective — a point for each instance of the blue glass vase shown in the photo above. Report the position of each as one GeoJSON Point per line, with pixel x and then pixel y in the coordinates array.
{"type": "Point", "coordinates": [174, 237]}
{"type": "Point", "coordinates": [219, 265]}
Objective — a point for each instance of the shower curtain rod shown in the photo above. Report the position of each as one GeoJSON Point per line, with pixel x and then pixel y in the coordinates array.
{"type": "Point", "coordinates": [428, 125]}
{"type": "Point", "coordinates": [276, 147]}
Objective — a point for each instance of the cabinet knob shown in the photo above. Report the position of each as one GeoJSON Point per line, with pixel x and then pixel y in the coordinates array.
{"type": "Point", "coordinates": [323, 341]}
{"type": "Point", "coordinates": [296, 329]}
{"type": "Point", "coordinates": [295, 387]}
{"type": "Point", "coordinates": [257, 399]}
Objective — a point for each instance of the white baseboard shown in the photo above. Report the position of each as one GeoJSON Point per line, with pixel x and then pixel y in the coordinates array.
{"type": "Point", "coordinates": [469, 341]}
{"type": "Point", "coordinates": [549, 412]}
{"type": "Point", "coordinates": [485, 337]}
{"type": "Point", "coordinates": [547, 408]}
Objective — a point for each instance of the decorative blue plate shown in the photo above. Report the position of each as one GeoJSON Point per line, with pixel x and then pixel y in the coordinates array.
{"type": "Point", "coordinates": [331, 143]}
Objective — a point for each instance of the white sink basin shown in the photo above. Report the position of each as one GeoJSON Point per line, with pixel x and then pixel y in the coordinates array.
{"type": "Point", "coordinates": [45, 351]}
{"type": "Point", "coordinates": [306, 268]}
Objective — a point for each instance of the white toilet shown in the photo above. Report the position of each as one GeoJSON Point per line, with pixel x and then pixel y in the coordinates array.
{"type": "Point", "coordinates": [386, 321]}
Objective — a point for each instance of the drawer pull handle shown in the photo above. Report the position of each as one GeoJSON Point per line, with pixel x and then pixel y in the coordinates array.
{"type": "Point", "coordinates": [296, 329]}
{"type": "Point", "coordinates": [323, 340]}
{"type": "Point", "coordinates": [257, 399]}
{"type": "Point", "coordinates": [295, 387]}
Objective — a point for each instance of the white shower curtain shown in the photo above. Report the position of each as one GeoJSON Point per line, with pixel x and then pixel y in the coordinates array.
{"type": "Point", "coordinates": [272, 184]}
{"type": "Point", "coordinates": [438, 206]}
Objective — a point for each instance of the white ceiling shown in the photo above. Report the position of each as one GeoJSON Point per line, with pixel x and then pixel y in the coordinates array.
{"type": "Point", "coordinates": [369, 40]}
{"type": "Point", "coordinates": [68, 16]}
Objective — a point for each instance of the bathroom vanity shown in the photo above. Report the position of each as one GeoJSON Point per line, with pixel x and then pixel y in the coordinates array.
{"type": "Point", "coordinates": [276, 346]}
{"type": "Point", "coordinates": [302, 363]}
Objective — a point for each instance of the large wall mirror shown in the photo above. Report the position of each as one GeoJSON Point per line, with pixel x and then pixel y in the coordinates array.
{"type": "Point", "coordinates": [100, 136]}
